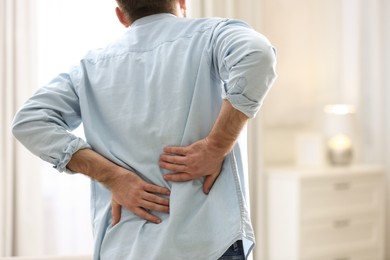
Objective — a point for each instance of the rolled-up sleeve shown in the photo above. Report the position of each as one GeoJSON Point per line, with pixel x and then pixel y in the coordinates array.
{"type": "Point", "coordinates": [44, 122]}
{"type": "Point", "coordinates": [245, 61]}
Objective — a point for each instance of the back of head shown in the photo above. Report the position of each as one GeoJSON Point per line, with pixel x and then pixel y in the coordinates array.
{"type": "Point", "coordinates": [136, 9]}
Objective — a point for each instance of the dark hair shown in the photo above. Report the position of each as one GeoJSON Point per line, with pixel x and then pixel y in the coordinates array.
{"type": "Point", "coordinates": [136, 9]}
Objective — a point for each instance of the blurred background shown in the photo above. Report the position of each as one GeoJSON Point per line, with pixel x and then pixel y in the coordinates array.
{"type": "Point", "coordinates": [329, 52]}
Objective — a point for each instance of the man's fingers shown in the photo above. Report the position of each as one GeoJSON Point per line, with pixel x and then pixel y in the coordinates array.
{"type": "Point", "coordinates": [178, 177]}
{"type": "Point", "coordinates": [155, 206]}
{"type": "Point", "coordinates": [116, 212]}
{"type": "Point", "coordinates": [156, 199]}
{"type": "Point", "coordinates": [174, 159]}
{"type": "Point", "coordinates": [178, 150]}
{"type": "Point", "coordinates": [142, 213]}
{"type": "Point", "coordinates": [156, 189]}
{"type": "Point", "coordinates": [173, 167]}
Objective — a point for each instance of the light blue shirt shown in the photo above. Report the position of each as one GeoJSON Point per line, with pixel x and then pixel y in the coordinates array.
{"type": "Point", "coordinates": [161, 84]}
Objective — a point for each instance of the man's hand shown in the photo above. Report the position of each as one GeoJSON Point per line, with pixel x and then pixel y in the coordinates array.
{"type": "Point", "coordinates": [128, 189]}
{"type": "Point", "coordinates": [192, 162]}
{"type": "Point", "coordinates": [138, 196]}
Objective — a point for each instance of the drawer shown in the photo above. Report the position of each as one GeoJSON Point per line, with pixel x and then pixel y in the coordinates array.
{"type": "Point", "coordinates": [331, 234]}
{"type": "Point", "coordinates": [322, 195]}
{"type": "Point", "coordinates": [357, 254]}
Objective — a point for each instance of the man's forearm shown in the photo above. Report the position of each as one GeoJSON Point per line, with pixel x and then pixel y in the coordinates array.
{"type": "Point", "coordinates": [92, 164]}
{"type": "Point", "coordinates": [227, 128]}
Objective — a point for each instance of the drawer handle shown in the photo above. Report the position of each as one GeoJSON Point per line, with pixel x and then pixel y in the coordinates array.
{"type": "Point", "coordinates": [340, 186]}
{"type": "Point", "coordinates": [342, 223]}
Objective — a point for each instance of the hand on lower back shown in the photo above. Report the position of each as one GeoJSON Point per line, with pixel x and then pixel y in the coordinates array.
{"type": "Point", "coordinates": [138, 196]}
{"type": "Point", "coordinates": [128, 189]}
{"type": "Point", "coordinates": [192, 162]}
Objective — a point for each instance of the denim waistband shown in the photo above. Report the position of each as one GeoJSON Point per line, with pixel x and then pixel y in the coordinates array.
{"type": "Point", "coordinates": [235, 251]}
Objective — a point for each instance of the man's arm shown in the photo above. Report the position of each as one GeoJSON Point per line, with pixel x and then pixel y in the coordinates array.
{"type": "Point", "coordinates": [43, 125]}
{"type": "Point", "coordinates": [205, 157]}
{"type": "Point", "coordinates": [128, 189]}
{"type": "Point", "coordinates": [245, 62]}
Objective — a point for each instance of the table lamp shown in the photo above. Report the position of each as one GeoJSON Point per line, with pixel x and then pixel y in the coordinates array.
{"type": "Point", "coordinates": [338, 131]}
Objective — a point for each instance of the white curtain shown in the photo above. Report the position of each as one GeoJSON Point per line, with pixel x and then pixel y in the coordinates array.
{"type": "Point", "coordinates": [20, 211]}
{"type": "Point", "coordinates": [248, 10]}
{"type": "Point", "coordinates": [386, 86]}
{"type": "Point", "coordinates": [62, 27]}
{"type": "Point", "coordinates": [251, 12]}
{"type": "Point", "coordinates": [375, 91]}
{"type": "Point", "coordinates": [373, 86]}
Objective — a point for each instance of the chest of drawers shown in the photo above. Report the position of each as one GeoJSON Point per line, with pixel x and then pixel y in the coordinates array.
{"type": "Point", "coordinates": [326, 214]}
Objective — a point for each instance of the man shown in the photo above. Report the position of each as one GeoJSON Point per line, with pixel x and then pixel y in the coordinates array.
{"type": "Point", "coordinates": [162, 110]}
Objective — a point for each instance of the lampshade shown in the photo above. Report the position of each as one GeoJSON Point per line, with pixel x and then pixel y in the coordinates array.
{"type": "Point", "coordinates": [339, 119]}
{"type": "Point", "coordinates": [339, 132]}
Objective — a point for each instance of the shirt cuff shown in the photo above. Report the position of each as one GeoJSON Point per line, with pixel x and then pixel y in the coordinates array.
{"type": "Point", "coordinates": [75, 145]}
{"type": "Point", "coordinates": [244, 104]}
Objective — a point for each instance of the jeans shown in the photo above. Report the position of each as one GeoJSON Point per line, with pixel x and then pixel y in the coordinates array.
{"type": "Point", "coordinates": [235, 252]}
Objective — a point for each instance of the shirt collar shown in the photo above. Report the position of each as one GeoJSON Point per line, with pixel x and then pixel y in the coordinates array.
{"type": "Point", "coordinates": [151, 18]}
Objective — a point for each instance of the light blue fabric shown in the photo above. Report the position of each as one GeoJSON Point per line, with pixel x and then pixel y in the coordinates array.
{"type": "Point", "coordinates": [161, 84]}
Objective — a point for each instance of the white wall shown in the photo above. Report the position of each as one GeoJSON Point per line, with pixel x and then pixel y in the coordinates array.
{"type": "Point", "coordinates": [308, 36]}
{"type": "Point", "coordinates": [386, 85]}
{"type": "Point", "coordinates": [328, 52]}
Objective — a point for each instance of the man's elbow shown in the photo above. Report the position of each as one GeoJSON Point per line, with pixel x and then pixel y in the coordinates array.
{"type": "Point", "coordinates": [16, 128]}
{"type": "Point", "coordinates": [267, 64]}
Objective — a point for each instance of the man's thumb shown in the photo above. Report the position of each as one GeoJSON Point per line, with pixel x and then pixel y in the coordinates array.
{"type": "Point", "coordinates": [116, 212]}
{"type": "Point", "coordinates": [209, 182]}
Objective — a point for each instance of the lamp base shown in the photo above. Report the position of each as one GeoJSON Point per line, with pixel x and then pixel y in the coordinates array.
{"type": "Point", "coordinates": [340, 157]}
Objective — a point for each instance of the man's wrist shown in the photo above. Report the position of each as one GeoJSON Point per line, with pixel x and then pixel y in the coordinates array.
{"type": "Point", "coordinates": [219, 146]}
{"type": "Point", "coordinates": [226, 129]}
{"type": "Point", "coordinates": [97, 167]}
